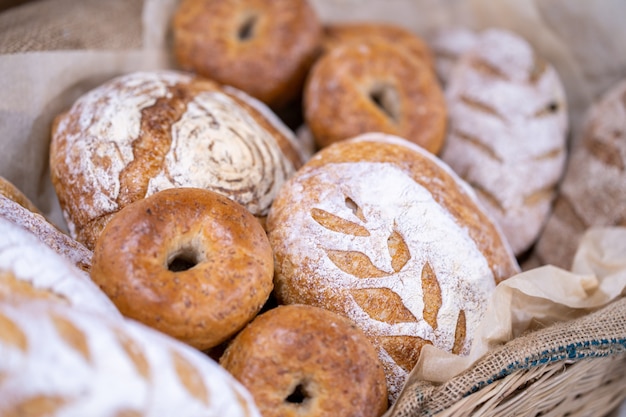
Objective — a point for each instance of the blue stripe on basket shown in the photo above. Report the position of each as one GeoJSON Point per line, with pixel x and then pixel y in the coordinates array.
{"type": "Point", "coordinates": [574, 351]}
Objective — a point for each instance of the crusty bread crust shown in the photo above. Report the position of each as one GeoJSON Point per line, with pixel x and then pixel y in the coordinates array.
{"type": "Point", "coordinates": [380, 230]}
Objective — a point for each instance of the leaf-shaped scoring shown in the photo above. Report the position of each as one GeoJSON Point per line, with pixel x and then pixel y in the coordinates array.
{"type": "Point", "coordinates": [404, 350]}
{"type": "Point", "coordinates": [383, 304]}
{"type": "Point", "coordinates": [431, 294]}
{"type": "Point", "coordinates": [460, 334]}
{"type": "Point", "coordinates": [355, 263]}
{"type": "Point", "coordinates": [398, 250]}
{"type": "Point", "coordinates": [337, 224]}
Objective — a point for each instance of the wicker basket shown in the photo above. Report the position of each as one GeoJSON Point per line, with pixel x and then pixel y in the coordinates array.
{"type": "Point", "coordinates": [575, 368]}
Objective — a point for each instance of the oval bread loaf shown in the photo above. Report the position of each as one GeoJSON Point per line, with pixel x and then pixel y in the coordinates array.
{"type": "Point", "coordinates": [507, 139]}
{"type": "Point", "coordinates": [59, 361]}
{"type": "Point", "coordinates": [381, 231]}
{"type": "Point", "coordinates": [593, 190]}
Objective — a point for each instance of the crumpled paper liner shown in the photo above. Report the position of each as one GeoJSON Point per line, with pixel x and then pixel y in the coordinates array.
{"type": "Point", "coordinates": [537, 299]}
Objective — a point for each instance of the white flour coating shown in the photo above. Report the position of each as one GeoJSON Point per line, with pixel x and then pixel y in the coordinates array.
{"type": "Point", "coordinates": [504, 139]}
{"type": "Point", "coordinates": [110, 119]}
{"type": "Point", "coordinates": [114, 367]}
{"type": "Point", "coordinates": [390, 201]}
{"type": "Point", "coordinates": [30, 260]}
{"type": "Point", "coordinates": [218, 145]}
{"type": "Point", "coordinates": [62, 244]}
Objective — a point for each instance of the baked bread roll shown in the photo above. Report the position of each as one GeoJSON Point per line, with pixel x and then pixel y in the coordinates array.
{"type": "Point", "coordinates": [305, 361]}
{"type": "Point", "coordinates": [508, 127]}
{"type": "Point", "coordinates": [32, 269]}
{"type": "Point", "coordinates": [34, 221]}
{"type": "Point", "coordinates": [189, 262]}
{"type": "Point", "coordinates": [148, 131]}
{"type": "Point", "coordinates": [59, 361]}
{"type": "Point", "coordinates": [593, 190]}
{"type": "Point", "coordinates": [374, 86]}
{"type": "Point", "coordinates": [262, 47]}
{"type": "Point", "coordinates": [381, 231]}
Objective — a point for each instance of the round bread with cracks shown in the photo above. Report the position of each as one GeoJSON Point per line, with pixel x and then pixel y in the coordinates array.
{"type": "Point", "coordinates": [147, 131]}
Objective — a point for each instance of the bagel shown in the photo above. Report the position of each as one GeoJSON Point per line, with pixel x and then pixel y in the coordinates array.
{"type": "Point", "coordinates": [373, 86]}
{"type": "Point", "coordinates": [262, 47]}
{"type": "Point", "coordinates": [186, 261]}
{"type": "Point", "coordinates": [306, 361]}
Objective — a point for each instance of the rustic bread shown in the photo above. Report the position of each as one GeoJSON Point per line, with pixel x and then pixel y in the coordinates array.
{"type": "Point", "coordinates": [60, 361]}
{"type": "Point", "coordinates": [508, 132]}
{"type": "Point", "coordinates": [378, 229]}
{"type": "Point", "coordinates": [593, 190]}
{"type": "Point", "coordinates": [148, 131]}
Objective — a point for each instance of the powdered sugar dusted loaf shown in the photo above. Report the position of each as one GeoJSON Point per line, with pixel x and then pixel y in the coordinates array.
{"type": "Point", "coordinates": [57, 361]}
{"type": "Point", "coordinates": [508, 126]}
{"type": "Point", "coordinates": [148, 131]}
{"type": "Point", "coordinates": [593, 190]}
{"type": "Point", "coordinates": [379, 230]}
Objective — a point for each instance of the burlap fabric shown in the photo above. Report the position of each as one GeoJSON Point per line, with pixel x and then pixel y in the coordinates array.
{"type": "Point", "coordinates": [596, 336]}
{"type": "Point", "coordinates": [51, 51]}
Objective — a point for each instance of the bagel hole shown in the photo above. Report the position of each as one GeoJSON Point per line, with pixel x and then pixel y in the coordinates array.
{"type": "Point", "coordinates": [183, 260]}
{"type": "Point", "coordinates": [386, 99]}
{"type": "Point", "coordinates": [246, 28]}
{"type": "Point", "coordinates": [298, 396]}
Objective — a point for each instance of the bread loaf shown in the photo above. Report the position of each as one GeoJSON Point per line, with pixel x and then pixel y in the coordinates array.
{"type": "Point", "coordinates": [507, 137]}
{"type": "Point", "coordinates": [379, 230]}
{"type": "Point", "coordinates": [59, 361]}
{"type": "Point", "coordinates": [593, 190]}
{"type": "Point", "coordinates": [148, 131]}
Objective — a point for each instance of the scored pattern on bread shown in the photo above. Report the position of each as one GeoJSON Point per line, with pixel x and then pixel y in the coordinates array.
{"type": "Point", "coordinates": [508, 126]}
{"type": "Point", "coordinates": [145, 132]}
{"type": "Point", "coordinates": [26, 259]}
{"type": "Point", "coordinates": [593, 189]}
{"type": "Point", "coordinates": [60, 361]}
{"type": "Point", "coordinates": [371, 239]}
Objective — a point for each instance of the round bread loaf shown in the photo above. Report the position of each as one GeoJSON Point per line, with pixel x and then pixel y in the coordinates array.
{"type": "Point", "coordinates": [60, 361]}
{"type": "Point", "coordinates": [593, 190]}
{"type": "Point", "coordinates": [30, 268]}
{"type": "Point", "coordinates": [508, 132]}
{"type": "Point", "coordinates": [186, 261]}
{"type": "Point", "coordinates": [262, 47]}
{"type": "Point", "coordinates": [448, 44]}
{"type": "Point", "coordinates": [305, 361]}
{"type": "Point", "coordinates": [380, 230]}
{"type": "Point", "coordinates": [147, 131]}
{"type": "Point", "coordinates": [374, 86]}
{"type": "Point", "coordinates": [340, 33]}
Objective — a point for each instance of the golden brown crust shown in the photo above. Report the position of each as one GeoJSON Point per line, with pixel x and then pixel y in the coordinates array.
{"type": "Point", "coordinates": [262, 47]}
{"type": "Point", "coordinates": [373, 86]}
{"type": "Point", "coordinates": [10, 191]}
{"type": "Point", "coordinates": [300, 360]}
{"type": "Point", "coordinates": [188, 262]}
{"type": "Point", "coordinates": [339, 33]}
